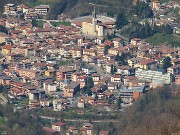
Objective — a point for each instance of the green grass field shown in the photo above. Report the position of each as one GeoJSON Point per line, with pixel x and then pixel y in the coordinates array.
{"type": "Point", "coordinates": [164, 38]}
{"type": "Point", "coordinates": [55, 24]}
{"type": "Point", "coordinates": [40, 23]}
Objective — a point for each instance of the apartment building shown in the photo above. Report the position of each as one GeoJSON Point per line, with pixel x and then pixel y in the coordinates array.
{"type": "Point", "coordinates": [42, 9]}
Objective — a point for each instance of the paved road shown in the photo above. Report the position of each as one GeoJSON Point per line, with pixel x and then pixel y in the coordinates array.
{"type": "Point", "coordinates": [5, 101]}
{"type": "Point", "coordinates": [118, 35]}
{"type": "Point", "coordinates": [81, 120]}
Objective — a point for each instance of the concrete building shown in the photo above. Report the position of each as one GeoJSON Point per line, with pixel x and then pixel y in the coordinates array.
{"type": "Point", "coordinates": [128, 94]}
{"type": "Point", "coordinates": [58, 126]}
{"type": "Point", "coordinates": [152, 76]}
{"type": "Point", "coordinates": [49, 87]}
{"type": "Point", "coordinates": [36, 94]}
{"type": "Point", "coordinates": [57, 105]}
{"type": "Point", "coordinates": [42, 9]}
{"type": "Point", "coordinates": [9, 7]}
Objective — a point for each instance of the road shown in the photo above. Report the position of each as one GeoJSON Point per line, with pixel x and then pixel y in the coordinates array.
{"type": "Point", "coordinates": [81, 120]}
{"type": "Point", "coordinates": [118, 35]}
{"type": "Point", "coordinates": [5, 101]}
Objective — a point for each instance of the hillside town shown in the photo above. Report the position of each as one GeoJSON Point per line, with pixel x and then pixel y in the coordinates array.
{"type": "Point", "coordinates": [76, 67]}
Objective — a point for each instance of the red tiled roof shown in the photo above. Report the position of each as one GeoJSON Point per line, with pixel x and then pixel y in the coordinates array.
{"type": "Point", "coordinates": [7, 47]}
{"type": "Point", "coordinates": [49, 130]}
{"type": "Point", "coordinates": [59, 124]}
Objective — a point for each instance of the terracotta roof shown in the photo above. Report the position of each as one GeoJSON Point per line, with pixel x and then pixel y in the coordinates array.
{"type": "Point", "coordinates": [102, 132]}
{"type": "Point", "coordinates": [59, 124]}
{"type": "Point", "coordinates": [7, 47]}
{"type": "Point", "coordinates": [49, 130]}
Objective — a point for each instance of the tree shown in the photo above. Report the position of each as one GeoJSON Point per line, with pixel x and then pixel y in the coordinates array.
{"type": "Point", "coordinates": [3, 29]}
{"type": "Point", "coordinates": [112, 69]}
{"type": "Point", "coordinates": [143, 10]}
{"type": "Point", "coordinates": [90, 82]}
{"type": "Point", "coordinates": [166, 62]}
{"type": "Point", "coordinates": [121, 20]}
{"type": "Point", "coordinates": [119, 101]}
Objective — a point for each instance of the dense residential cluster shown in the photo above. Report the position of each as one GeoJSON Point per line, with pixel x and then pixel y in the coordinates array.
{"type": "Point", "coordinates": [76, 66]}
{"type": "Point", "coordinates": [163, 16]}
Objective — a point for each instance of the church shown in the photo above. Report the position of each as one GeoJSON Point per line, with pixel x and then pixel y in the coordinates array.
{"type": "Point", "coordinates": [98, 26]}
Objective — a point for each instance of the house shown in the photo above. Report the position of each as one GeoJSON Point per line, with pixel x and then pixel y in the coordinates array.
{"type": "Point", "coordinates": [65, 72]}
{"type": "Point", "coordinates": [9, 7]}
{"type": "Point", "coordinates": [142, 63]}
{"type": "Point", "coordinates": [16, 92]}
{"type": "Point", "coordinates": [104, 132]}
{"type": "Point", "coordinates": [36, 95]}
{"type": "Point", "coordinates": [58, 105]}
{"type": "Point", "coordinates": [117, 42]}
{"type": "Point", "coordinates": [82, 80]}
{"type": "Point", "coordinates": [31, 16]}
{"type": "Point", "coordinates": [3, 37]}
{"type": "Point", "coordinates": [6, 49]}
{"type": "Point", "coordinates": [95, 78]}
{"type": "Point", "coordinates": [29, 73]}
{"type": "Point", "coordinates": [175, 70]}
{"type": "Point", "coordinates": [87, 129]}
{"type": "Point", "coordinates": [125, 70]}
{"type": "Point", "coordinates": [39, 80]}
{"type": "Point", "coordinates": [73, 130]}
{"type": "Point", "coordinates": [5, 80]}
{"type": "Point", "coordinates": [58, 126]}
{"type": "Point", "coordinates": [50, 131]}
{"type": "Point", "coordinates": [116, 78]}
{"type": "Point", "coordinates": [49, 86]}
{"type": "Point", "coordinates": [50, 72]}
{"type": "Point", "coordinates": [81, 104]}
{"type": "Point", "coordinates": [134, 41]}
{"type": "Point", "coordinates": [177, 79]}
{"type": "Point", "coordinates": [44, 102]}
{"type": "Point", "coordinates": [156, 4]}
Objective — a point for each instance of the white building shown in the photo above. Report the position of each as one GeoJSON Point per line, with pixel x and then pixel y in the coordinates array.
{"type": "Point", "coordinates": [42, 9]}
{"type": "Point", "coordinates": [152, 76]}
{"type": "Point", "coordinates": [58, 126]}
{"type": "Point", "coordinates": [49, 87]}
{"type": "Point", "coordinates": [57, 105]}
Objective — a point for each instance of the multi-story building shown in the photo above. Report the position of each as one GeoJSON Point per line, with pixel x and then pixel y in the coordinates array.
{"type": "Point", "coordinates": [66, 72]}
{"type": "Point", "coordinates": [57, 105]}
{"type": "Point", "coordinates": [152, 76]}
{"type": "Point", "coordinates": [9, 7]}
{"type": "Point", "coordinates": [29, 73]}
{"type": "Point", "coordinates": [58, 126]}
{"type": "Point", "coordinates": [42, 9]}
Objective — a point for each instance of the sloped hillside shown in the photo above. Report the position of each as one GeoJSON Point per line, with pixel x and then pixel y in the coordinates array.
{"type": "Point", "coordinates": [157, 113]}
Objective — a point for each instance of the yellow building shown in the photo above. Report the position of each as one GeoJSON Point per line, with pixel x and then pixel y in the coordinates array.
{"type": "Point", "coordinates": [6, 49]}
{"type": "Point", "coordinates": [50, 72]}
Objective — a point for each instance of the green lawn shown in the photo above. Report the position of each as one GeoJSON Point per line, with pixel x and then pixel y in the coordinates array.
{"type": "Point", "coordinates": [3, 120]}
{"type": "Point", "coordinates": [55, 24]}
{"type": "Point", "coordinates": [164, 38]}
{"type": "Point", "coordinates": [40, 23]}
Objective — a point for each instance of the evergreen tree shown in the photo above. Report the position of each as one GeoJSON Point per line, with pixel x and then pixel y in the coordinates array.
{"type": "Point", "coordinates": [121, 20]}
{"type": "Point", "coordinates": [166, 62]}
{"type": "Point", "coordinates": [112, 69]}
